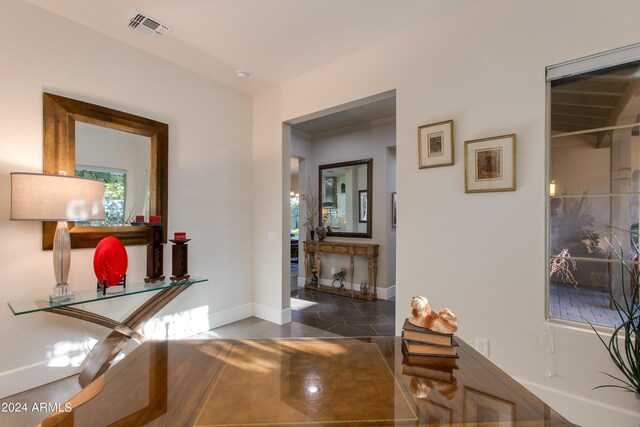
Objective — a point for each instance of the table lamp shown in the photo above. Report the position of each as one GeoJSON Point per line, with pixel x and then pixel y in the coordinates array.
{"type": "Point", "coordinates": [43, 197]}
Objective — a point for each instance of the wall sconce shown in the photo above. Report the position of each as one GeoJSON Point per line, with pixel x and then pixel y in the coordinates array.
{"type": "Point", "coordinates": [42, 197]}
{"type": "Point", "coordinates": [552, 188]}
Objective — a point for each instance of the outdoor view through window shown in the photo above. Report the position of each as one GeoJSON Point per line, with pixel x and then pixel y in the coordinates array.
{"type": "Point", "coordinates": [594, 205]}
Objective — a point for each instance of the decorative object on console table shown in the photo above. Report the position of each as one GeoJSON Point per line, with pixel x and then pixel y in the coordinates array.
{"type": "Point", "coordinates": [490, 164]}
{"type": "Point", "coordinates": [321, 231]}
{"type": "Point", "coordinates": [110, 262]}
{"type": "Point", "coordinates": [179, 256]}
{"type": "Point", "coordinates": [339, 277]}
{"type": "Point", "coordinates": [154, 250]}
{"type": "Point", "coordinates": [435, 145]}
{"type": "Point", "coordinates": [310, 199]}
{"type": "Point", "coordinates": [139, 220]}
{"type": "Point", "coordinates": [42, 197]}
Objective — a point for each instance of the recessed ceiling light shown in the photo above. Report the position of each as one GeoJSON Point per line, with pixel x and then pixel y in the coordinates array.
{"type": "Point", "coordinates": [242, 74]}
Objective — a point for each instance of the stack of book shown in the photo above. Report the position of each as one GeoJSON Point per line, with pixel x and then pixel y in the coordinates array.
{"type": "Point", "coordinates": [417, 341]}
{"type": "Point", "coordinates": [430, 358]}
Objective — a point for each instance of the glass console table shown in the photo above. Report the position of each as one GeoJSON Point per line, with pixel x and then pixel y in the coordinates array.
{"type": "Point", "coordinates": [105, 351]}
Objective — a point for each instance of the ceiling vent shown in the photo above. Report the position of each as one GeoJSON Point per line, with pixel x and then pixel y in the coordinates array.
{"type": "Point", "coordinates": [148, 26]}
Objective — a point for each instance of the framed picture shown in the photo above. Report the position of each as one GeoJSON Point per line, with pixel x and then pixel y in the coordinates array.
{"type": "Point", "coordinates": [394, 199]}
{"type": "Point", "coordinates": [434, 414]}
{"type": "Point", "coordinates": [490, 164]}
{"type": "Point", "coordinates": [435, 145]}
{"type": "Point", "coordinates": [362, 206]}
{"type": "Point", "coordinates": [481, 409]}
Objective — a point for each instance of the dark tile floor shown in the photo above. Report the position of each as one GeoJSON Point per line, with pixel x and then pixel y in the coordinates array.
{"type": "Point", "coordinates": [342, 315]}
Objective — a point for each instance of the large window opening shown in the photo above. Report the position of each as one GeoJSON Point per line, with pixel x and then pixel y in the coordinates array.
{"type": "Point", "coordinates": [594, 190]}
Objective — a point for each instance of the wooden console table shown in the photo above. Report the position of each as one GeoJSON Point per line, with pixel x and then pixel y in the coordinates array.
{"type": "Point", "coordinates": [312, 265]}
{"type": "Point", "coordinates": [105, 351]}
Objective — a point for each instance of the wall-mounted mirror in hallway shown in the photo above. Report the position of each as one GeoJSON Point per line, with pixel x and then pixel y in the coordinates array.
{"type": "Point", "coordinates": [346, 191]}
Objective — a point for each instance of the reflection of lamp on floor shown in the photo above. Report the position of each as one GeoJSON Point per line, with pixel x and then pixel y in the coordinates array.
{"type": "Point", "coordinates": [41, 197]}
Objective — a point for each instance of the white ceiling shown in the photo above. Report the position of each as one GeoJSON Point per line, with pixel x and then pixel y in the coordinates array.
{"type": "Point", "coordinates": [347, 120]}
{"type": "Point", "coordinates": [274, 40]}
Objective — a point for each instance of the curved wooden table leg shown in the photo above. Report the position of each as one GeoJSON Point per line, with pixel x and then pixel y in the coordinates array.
{"type": "Point", "coordinates": [105, 351]}
{"type": "Point", "coordinates": [77, 313]}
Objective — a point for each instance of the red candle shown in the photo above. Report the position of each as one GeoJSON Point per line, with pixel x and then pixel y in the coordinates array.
{"type": "Point", "coordinates": [155, 218]}
{"type": "Point", "coordinates": [180, 236]}
{"type": "Point", "coordinates": [139, 218]}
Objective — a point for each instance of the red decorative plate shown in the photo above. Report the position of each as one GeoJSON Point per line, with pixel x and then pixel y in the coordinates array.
{"type": "Point", "coordinates": [110, 261]}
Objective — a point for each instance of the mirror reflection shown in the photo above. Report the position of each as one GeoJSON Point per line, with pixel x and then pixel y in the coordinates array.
{"type": "Point", "coordinates": [140, 190]}
{"type": "Point", "coordinates": [345, 198]}
{"type": "Point", "coordinates": [122, 161]}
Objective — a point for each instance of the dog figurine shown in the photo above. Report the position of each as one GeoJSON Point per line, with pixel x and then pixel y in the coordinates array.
{"type": "Point", "coordinates": [420, 387]}
{"type": "Point", "coordinates": [422, 316]}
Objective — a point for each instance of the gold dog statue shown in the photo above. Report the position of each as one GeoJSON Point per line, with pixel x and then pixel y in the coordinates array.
{"type": "Point", "coordinates": [422, 316]}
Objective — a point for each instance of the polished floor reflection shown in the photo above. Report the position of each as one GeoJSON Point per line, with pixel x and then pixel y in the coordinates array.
{"type": "Point", "coordinates": [303, 382]}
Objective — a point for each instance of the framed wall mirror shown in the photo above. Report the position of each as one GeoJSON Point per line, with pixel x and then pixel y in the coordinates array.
{"type": "Point", "coordinates": [346, 198]}
{"type": "Point", "coordinates": [103, 140]}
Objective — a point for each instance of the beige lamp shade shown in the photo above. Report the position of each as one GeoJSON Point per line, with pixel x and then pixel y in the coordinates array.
{"type": "Point", "coordinates": [42, 197]}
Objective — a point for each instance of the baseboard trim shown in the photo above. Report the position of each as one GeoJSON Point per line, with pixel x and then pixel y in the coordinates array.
{"type": "Point", "coordinates": [273, 315]}
{"type": "Point", "coordinates": [383, 293]}
{"type": "Point", "coordinates": [582, 411]}
{"type": "Point", "coordinates": [387, 293]}
{"type": "Point", "coordinates": [221, 318]}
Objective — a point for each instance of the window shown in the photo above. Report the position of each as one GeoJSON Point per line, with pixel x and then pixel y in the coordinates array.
{"type": "Point", "coordinates": [594, 186]}
{"type": "Point", "coordinates": [114, 194]}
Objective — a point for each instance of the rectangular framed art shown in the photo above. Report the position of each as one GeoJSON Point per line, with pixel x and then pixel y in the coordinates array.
{"type": "Point", "coordinates": [482, 409]}
{"type": "Point", "coordinates": [362, 206]}
{"type": "Point", "coordinates": [435, 145]}
{"type": "Point", "coordinates": [394, 212]}
{"type": "Point", "coordinates": [490, 164]}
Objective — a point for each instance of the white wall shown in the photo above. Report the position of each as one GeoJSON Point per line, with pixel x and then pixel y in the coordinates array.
{"type": "Point", "coordinates": [391, 231]}
{"type": "Point", "coordinates": [482, 255]}
{"type": "Point", "coordinates": [209, 182]}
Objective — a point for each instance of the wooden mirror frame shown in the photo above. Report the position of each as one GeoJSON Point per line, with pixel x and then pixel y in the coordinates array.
{"type": "Point", "coordinates": [369, 163]}
{"type": "Point", "coordinates": [60, 117]}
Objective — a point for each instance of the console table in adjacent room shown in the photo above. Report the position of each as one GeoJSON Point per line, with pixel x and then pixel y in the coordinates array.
{"type": "Point", "coordinates": [312, 265]}
{"type": "Point", "coordinates": [105, 351]}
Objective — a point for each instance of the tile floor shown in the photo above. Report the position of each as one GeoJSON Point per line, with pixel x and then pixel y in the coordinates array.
{"type": "Point", "coordinates": [582, 304]}
{"type": "Point", "coordinates": [342, 315]}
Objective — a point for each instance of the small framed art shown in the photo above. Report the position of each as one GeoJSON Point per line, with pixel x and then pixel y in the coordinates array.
{"type": "Point", "coordinates": [435, 145]}
{"type": "Point", "coordinates": [362, 206]}
{"type": "Point", "coordinates": [482, 409]}
{"type": "Point", "coordinates": [394, 211]}
{"type": "Point", "coordinates": [490, 164]}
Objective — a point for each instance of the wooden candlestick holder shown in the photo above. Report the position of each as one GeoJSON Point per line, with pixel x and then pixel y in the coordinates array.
{"type": "Point", "coordinates": [154, 253]}
{"type": "Point", "coordinates": [179, 259]}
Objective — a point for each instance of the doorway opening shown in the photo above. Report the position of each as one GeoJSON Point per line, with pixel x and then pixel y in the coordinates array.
{"type": "Point", "coordinates": [362, 129]}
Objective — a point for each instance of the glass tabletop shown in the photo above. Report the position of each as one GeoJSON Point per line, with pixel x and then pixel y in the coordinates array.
{"type": "Point", "coordinates": [85, 296]}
